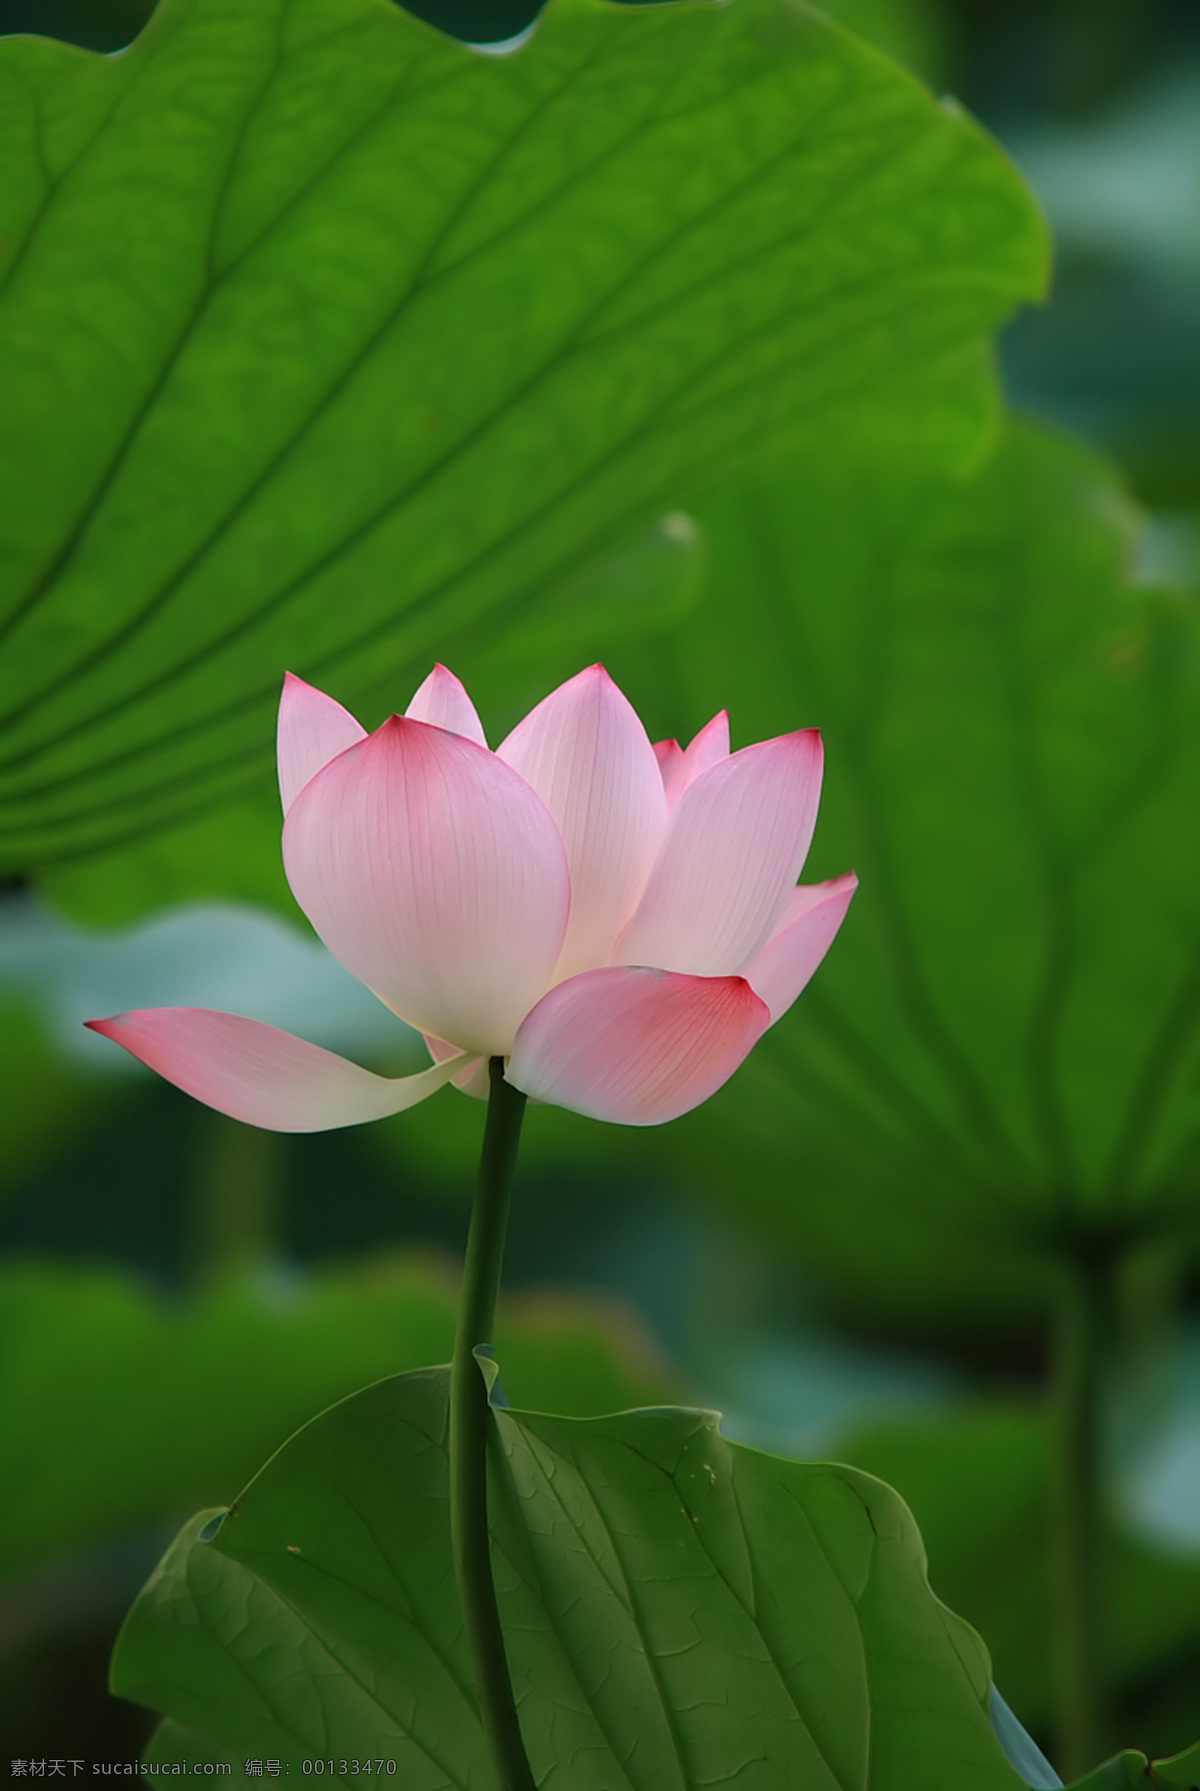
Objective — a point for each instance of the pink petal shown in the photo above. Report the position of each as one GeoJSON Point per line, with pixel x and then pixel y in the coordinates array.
{"type": "Point", "coordinates": [473, 1079]}
{"type": "Point", "coordinates": [805, 932]}
{"type": "Point", "coordinates": [262, 1076]}
{"type": "Point", "coordinates": [669, 754]}
{"type": "Point", "coordinates": [636, 1046]}
{"type": "Point", "coordinates": [437, 876]}
{"type": "Point", "coordinates": [442, 701]}
{"type": "Point", "coordinates": [680, 768]}
{"type": "Point", "coordinates": [710, 746]}
{"type": "Point", "coordinates": [734, 847]}
{"type": "Point", "coordinates": [589, 758]}
{"type": "Point", "coordinates": [312, 730]}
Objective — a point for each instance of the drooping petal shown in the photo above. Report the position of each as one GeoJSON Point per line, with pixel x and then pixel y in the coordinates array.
{"type": "Point", "coordinates": [589, 758]}
{"type": "Point", "coordinates": [804, 933]}
{"type": "Point", "coordinates": [473, 1079]}
{"type": "Point", "coordinates": [637, 1047]}
{"type": "Point", "coordinates": [734, 847]}
{"type": "Point", "coordinates": [262, 1076]}
{"type": "Point", "coordinates": [437, 877]}
{"type": "Point", "coordinates": [312, 730]}
{"type": "Point", "coordinates": [442, 701]}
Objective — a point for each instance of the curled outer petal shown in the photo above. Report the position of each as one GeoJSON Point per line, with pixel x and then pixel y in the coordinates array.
{"type": "Point", "coordinates": [735, 843]}
{"type": "Point", "coordinates": [806, 930]}
{"type": "Point", "coordinates": [263, 1076]}
{"type": "Point", "coordinates": [585, 752]}
{"type": "Point", "coordinates": [636, 1046]}
{"type": "Point", "coordinates": [313, 729]}
{"type": "Point", "coordinates": [442, 701]}
{"type": "Point", "coordinates": [437, 877]}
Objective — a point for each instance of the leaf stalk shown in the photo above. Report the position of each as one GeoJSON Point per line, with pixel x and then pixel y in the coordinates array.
{"type": "Point", "coordinates": [1078, 1355]}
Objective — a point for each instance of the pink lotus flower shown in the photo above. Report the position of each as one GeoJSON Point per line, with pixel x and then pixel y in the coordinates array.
{"type": "Point", "coordinates": [619, 921]}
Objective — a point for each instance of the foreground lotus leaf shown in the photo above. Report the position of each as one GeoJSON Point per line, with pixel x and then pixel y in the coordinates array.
{"type": "Point", "coordinates": [680, 1611]}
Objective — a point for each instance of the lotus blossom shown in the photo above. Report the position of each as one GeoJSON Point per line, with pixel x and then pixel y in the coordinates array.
{"type": "Point", "coordinates": [619, 921]}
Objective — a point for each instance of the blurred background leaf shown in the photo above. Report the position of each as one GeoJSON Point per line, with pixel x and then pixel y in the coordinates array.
{"type": "Point", "coordinates": [213, 1384]}
{"type": "Point", "coordinates": [980, 1477]}
{"type": "Point", "coordinates": [1003, 1046]}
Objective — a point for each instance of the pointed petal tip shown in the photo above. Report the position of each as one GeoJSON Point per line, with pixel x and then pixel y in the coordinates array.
{"type": "Point", "coordinates": [585, 752]}
{"type": "Point", "coordinates": [441, 701]}
{"type": "Point", "coordinates": [591, 674]}
{"type": "Point", "coordinates": [811, 738]}
{"type": "Point", "coordinates": [313, 729]}
{"type": "Point", "coordinates": [708, 748]}
{"type": "Point", "coordinates": [294, 686]}
{"type": "Point", "coordinates": [721, 716]}
{"type": "Point", "coordinates": [835, 888]}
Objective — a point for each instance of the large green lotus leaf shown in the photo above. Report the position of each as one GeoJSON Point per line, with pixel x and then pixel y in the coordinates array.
{"type": "Point", "coordinates": [331, 342]}
{"type": "Point", "coordinates": [906, 29]}
{"type": "Point", "coordinates": [172, 1403]}
{"type": "Point", "coordinates": [680, 1612]}
{"type": "Point", "coordinates": [1002, 1043]}
{"type": "Point", "coordinates": [647, 580]}
{"type": "Point", "coordinates": [978, 1481]}
{"type": "Point", "coordinates": [230, 853]}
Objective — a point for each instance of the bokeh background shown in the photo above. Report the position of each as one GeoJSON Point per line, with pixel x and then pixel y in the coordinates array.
{"type": "Point", "coordinates": [854, 1250]}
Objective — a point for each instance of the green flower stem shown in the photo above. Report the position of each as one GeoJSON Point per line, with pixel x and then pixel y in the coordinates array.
{"type": "Point", "coordinates": [470, 1427]}
{"type": "Point", "coordinates": [235, 1223]}
{"type": "Point", "coordinates": [1078, 1542]}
